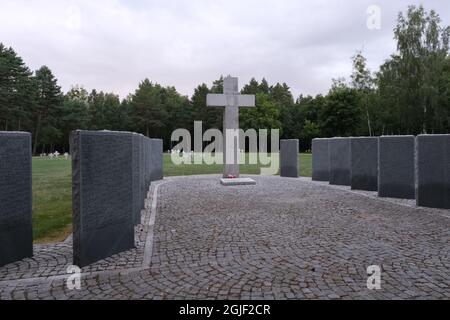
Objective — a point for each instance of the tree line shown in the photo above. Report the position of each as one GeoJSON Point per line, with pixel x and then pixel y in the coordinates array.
{"type": "Point", "coordinates": [409, 94]}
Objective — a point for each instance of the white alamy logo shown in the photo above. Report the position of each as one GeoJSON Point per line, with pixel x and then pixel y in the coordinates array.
{"type": "Point", "coordinates": [73, 20]}
{"type": "Point", "coordinates": [227, 148]}
{"type": "Point", "coordinates": [374, 279]}
{"type": "Point", "coordinates": [74, 280]}
{"type": "Point", "coordinates": [374, 17]}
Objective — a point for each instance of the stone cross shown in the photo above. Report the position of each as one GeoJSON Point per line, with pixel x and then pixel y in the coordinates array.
{"type": "Point", "coordinates": [231, 100]}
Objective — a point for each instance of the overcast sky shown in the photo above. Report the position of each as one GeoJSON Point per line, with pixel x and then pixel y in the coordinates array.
{"type": "Point", "coordinates": [112, 45]}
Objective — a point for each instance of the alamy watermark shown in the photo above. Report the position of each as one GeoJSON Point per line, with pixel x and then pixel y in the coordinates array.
{"type": "Point", "coordinates": [373, 17]}
{"type": "Point", "coordinates": [73, 18]}
{"type": "Point", "coordinates": [229, 147]}
{"type": "Point", "coordinates": [74, 280]}
{"type": "Point", "coordinates": [374, 279]}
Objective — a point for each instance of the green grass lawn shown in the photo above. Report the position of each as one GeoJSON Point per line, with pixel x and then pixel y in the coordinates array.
{"type": "Point", "coordinates": [52, 191]}
{"type": "Point", "coordinates": [52, 199]}
{"type": "Point", "coordinates": [171, 169]}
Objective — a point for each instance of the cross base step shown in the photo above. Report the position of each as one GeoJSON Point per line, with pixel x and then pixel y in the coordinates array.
{"type": "Point", "coordinates": [237, 182]}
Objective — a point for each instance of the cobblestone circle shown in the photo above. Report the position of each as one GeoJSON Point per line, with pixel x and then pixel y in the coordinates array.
{"type": "Point", "coordinates": [281, 239]}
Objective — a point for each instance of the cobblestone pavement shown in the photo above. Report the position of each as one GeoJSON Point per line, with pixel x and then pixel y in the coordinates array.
{"type": "Point", "coordinates": [281, 239]}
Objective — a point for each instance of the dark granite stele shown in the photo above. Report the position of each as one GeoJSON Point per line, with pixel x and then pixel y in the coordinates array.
{"type": "Point", "coordinates": [433, 171]}
{"type": "Point", "coordinates": [289, 150]}
{"type": "Point", "coordinates": [320, 160]}
{"type": "Point", "coordinates": [137, 176]}
{"type": "Point", "coordinates": [111, 175]}
{"type": "Point", "coordinates": [16, 235]}
{"type": "Point", "coordinates": [364, 163]}
{"type": "Point", "coordinates": [142, 169]}
{"type": "Point", "coordinates": [102, 188]}
{"type": "Point", "coordinates": [340, 161]}
{"type": "Point", "coordinates": [156, 159]}
{"type": "Point", "coordinates": [396, 167]}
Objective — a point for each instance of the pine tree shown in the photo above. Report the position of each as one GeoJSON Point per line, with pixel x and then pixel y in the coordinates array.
{"type": "Point", "coordinates": [15, 90]}
{"type": "Point", "coordinates": [47, 109]}
{"type": "Point", "coordinates": [148, 112]}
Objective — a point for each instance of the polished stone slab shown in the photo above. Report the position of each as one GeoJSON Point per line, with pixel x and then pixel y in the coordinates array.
{"type": "Point", "coordinates": [433, 171]}
{"type": "Point", "coordinates": [155, 152]}
{"type": "Point", "coordinates": [102, 185]}
{"type": "Point", "coordinates": [320, 160]}
{"type": "Point", "coordinates": [16, 235]}
{"type": "Point", "coordinates": [340, 161]}
{"type": "Point", "coordinates": [364, 163]}
{"type": "Point", "coordinates": [289, 152]}
{"type": "Point", "coordinates": [396, 167]}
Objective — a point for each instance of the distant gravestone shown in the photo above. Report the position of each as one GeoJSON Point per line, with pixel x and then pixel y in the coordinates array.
{"type": "Point", "coordinates": [364, 163]}
{"type": "Point", "coordinates": [16, 239]}
{"type": "Point", "coordinates": [340, 162]}
{"type": "Point", "coordinates": [156, 159]}
{"type": "Point", "coordinates": [396, 167]}
{"type": "Point", "coordinates": [102, 187]}
{"type": "Point", "coordinates": [289, 158]}
{"type": "Point", "coordinates": [320, 160]}
{"type": "Point", "coordinates": [433, 171]}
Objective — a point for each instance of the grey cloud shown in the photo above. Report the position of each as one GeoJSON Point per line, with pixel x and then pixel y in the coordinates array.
{"type": "Point", "coordinates": [113, 44]}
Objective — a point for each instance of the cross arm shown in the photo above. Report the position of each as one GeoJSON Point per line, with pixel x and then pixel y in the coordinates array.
{"type": "Point", "coordinates": [246, 100]}
{"type": "Point", "coordinates": [221, 100]}
{"type": "Point", "coordinates": [216, 100]}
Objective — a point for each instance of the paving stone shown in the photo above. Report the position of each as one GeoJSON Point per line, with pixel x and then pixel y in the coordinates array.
{"type": "Point", "coordinates": [276, 244]}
